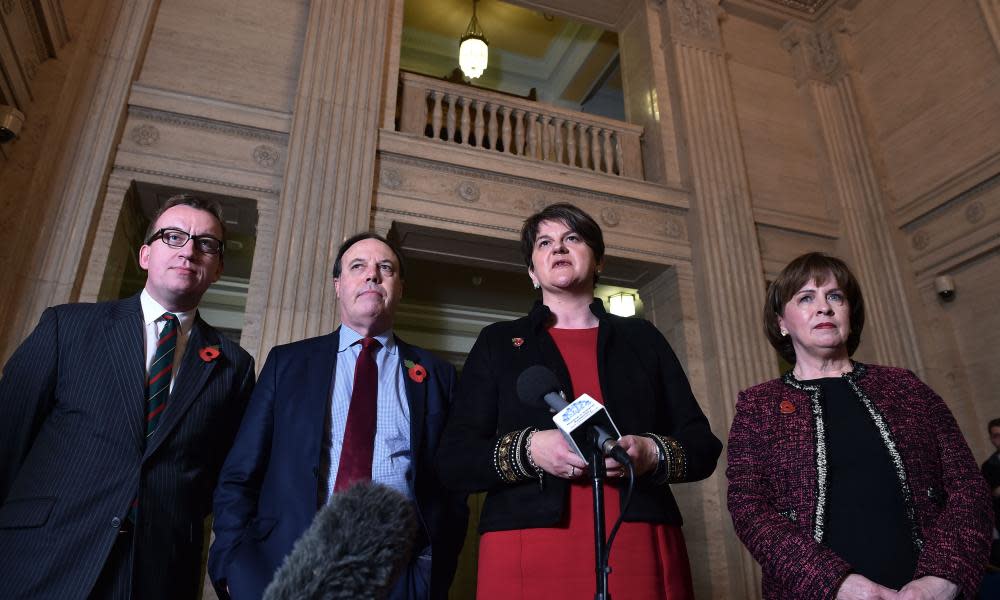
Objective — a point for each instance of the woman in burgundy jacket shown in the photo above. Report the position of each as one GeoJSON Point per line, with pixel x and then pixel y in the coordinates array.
{"type": "Point", "coordinates": [849, 480]}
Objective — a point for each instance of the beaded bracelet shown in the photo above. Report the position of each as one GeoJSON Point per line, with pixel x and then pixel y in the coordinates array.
{"type": "Point", "coordinates": [531, 460]}
{"type": "Point", "coordinates": [516, 451]}
{"type": "Point", "coordinates": [661, 473]}
{"type": "Point", "coordinates": [672, 467]}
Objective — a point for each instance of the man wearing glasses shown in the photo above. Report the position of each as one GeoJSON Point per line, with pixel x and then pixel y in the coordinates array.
{"type": "Point", "coordinates": [115, 418]}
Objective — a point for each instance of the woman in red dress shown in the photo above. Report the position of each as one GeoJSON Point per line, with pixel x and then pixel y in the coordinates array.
{"type": "Point", "coordinates": [537, 521]}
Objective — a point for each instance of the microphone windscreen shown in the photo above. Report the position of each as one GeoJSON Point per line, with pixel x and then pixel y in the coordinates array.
{"type": "Point", "coordinates": [357, 546]}
{"type": "Point", "coordinates": [534, 382]}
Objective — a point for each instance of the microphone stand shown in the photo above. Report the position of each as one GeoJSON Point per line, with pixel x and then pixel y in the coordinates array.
{"type": "Point", "coordinates": [597, 473]}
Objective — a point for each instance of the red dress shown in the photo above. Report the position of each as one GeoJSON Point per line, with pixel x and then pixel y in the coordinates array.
{"type": "Point", "coordinates": [648, 560]}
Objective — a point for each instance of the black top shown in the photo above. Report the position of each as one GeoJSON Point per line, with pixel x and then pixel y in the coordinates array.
{"type": "Point", "coordinates": [644, 389]}
{"type": "Point", "coordinates": [991, 471]}
{"type": "Point", "coordinates": [866, 518]}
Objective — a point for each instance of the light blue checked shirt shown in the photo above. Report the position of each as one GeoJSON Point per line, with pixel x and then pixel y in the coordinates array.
{"type": "Point", "coordinates": [391, 459]}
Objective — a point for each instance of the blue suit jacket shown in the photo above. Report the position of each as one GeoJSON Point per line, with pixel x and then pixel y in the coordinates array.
{"type": "Point", "coordinates": [74, 453]}
{"type": "Point", "coordinates": [270, 484]}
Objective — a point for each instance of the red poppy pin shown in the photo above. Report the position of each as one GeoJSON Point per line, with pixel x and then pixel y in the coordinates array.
{"type": "Point", "coordinates": [416, 371]}
{"type": "Point", "coordinates": [518, 342]}
{"type": "Point", "coordinates": [209, 353]}
{"type": "Point", "coordinates": [786, 407]}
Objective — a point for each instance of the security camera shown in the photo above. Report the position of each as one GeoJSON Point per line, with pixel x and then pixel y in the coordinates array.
{"type": "Point", "coordinates": [944, 285]}
{"type": "Point", "coordinates": [11, 120]}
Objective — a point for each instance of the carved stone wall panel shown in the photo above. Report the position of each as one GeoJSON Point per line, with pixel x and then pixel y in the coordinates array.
{"type": "Point", "coordinates": [204, 142]}
{"type": "Point", "coordinates": [22, 50]}
{"type": "Point", "coordinates": [429, 193]}
{"type": "Point", "coordinates": [961, 352]}
{"type": "Point", "coordinates": [779, 246]}
{"type": "Point", "coordinates": [777, 132]}
{"type": "Point", "coordinates": [931, 82]}
{"type": "Point", "coordinates": [150, 167]}
{"type": "Point", "coordinates": [962, 228]}
{"type": "Point", "coordinates": [695, 23]}
{"type": "Point", "coordinates": [247, 52]}
{"type": "Point", "coordinates": [144, 97]}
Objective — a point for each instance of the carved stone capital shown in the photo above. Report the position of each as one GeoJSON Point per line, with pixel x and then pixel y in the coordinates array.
{"type": "Point", "coordinates": [816, 53]}
{"type": "Point", "coordinates": [694, 22]}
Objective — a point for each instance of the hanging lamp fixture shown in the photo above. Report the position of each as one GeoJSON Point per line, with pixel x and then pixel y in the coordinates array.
{"type": "Point", "coordinates": [473, 49]}
{"type": "Point", "coordinates": [622, 304]}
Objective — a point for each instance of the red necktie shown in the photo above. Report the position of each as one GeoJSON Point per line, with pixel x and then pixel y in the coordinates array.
{"type": "Point", "coordinates": [359, 433]}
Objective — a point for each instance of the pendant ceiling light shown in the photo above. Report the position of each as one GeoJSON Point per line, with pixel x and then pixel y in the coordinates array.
{"type": "Point", "coordinates": [473, 50]}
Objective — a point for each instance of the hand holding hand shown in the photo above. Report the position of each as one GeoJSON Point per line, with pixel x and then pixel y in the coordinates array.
{"type": "Point", "coordinates": [928, 588]}
{"type": "Point", "coordinates": [641, 450]}
{"type": "Point", "coordinates": [858, 587]}
{"type": "Point", "coordinates": [553, 455]}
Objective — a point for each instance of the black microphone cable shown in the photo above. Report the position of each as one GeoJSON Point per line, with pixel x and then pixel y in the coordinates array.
{"type": "Point", "coordinates": [621, 513]}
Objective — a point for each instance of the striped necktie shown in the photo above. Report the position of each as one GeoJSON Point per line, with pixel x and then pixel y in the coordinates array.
{"type": "Point", "coordinates": [160, 372]}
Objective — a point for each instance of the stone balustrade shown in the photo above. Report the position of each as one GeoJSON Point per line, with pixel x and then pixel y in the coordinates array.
{"type": "Point", "coordinates": [477, 118]}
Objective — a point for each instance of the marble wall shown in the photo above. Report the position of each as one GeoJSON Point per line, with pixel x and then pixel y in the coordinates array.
{"type": "Point", "coordinates": [870, 130]}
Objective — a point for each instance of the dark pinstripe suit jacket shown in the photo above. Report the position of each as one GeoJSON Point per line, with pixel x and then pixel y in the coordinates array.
{"type": "Point", "coordinates": [73, 453]}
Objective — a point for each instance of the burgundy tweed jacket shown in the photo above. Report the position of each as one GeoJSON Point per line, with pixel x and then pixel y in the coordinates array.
{"type": "Point", "coordinates": [777, 481]}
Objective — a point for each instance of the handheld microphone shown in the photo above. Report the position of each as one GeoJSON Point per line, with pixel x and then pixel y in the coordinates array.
{"type": "Point", "coordinates": [584, 422]}
{"type": "Point", "coordinates": [357, 547]}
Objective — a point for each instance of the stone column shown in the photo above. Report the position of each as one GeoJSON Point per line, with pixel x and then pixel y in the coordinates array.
{"type": "Point", "coordinates": [670, 303]}
{"type": "Point", "coordinates": [71, 193]}
{"type": "Point", "coordinates": [648, 76]}
{"type": "Point", "coordinates": [327, 189]}
{"type": "Point", "coordinates": [820, 67]}
{"type": "Point", "coordinates": [728, 276]}
{"type": "Point", "coordinates": [110, 247]}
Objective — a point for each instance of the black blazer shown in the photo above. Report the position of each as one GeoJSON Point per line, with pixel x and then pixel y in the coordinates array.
{"type": "Point", "coordinates": [73, 453]}
{"type": "Point", "coordinates": [645, 391]}
{"type": "Point", "coordinates": [269, 487]}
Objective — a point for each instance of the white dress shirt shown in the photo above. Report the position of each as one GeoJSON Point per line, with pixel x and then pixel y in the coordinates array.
{"type": "Point", "coordinates": [151, 313]}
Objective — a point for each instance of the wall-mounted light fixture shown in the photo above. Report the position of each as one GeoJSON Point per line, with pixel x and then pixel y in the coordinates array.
{"type": "Point", "coordinates": [11, 121]}
{"type": "Point", "coordinates": [622, 304]}
{"type": "Point", "coordinates": [473, 49]}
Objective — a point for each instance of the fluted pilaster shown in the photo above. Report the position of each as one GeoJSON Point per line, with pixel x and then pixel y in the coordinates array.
{"type": "Point", "coordinates": [818, 58]}
{"type": "Point", "coordinates": [327, 191]}
{"type": "Point", "coordinates": [727, 269]}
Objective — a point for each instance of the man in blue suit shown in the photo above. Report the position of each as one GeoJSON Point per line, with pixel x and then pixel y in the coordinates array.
{"type": "Point", "coordinates": [115, 418]}
{"type": "Point", "coordinates": [356, 404]}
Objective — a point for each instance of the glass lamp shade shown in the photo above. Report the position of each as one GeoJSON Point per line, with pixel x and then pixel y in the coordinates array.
{"type": "Point", "coordinates": [622, 305]}
{"type": "Point", "coordinates": [473, 54]}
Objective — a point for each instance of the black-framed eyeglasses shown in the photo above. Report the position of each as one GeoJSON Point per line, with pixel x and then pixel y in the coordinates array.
{"type": "Point", "coordinates": [177, 238]}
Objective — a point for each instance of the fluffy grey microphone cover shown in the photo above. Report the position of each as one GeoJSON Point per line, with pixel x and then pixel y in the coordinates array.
{"type": "Point", "coordinates": [356, 547]}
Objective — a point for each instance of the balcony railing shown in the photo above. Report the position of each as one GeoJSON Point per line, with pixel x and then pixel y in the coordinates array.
{"type": "Point", "coordinates": [471, 117]}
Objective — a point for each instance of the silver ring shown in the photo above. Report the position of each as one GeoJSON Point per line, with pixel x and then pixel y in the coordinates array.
{"type": "Point", "coordinates": [572, 471]}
